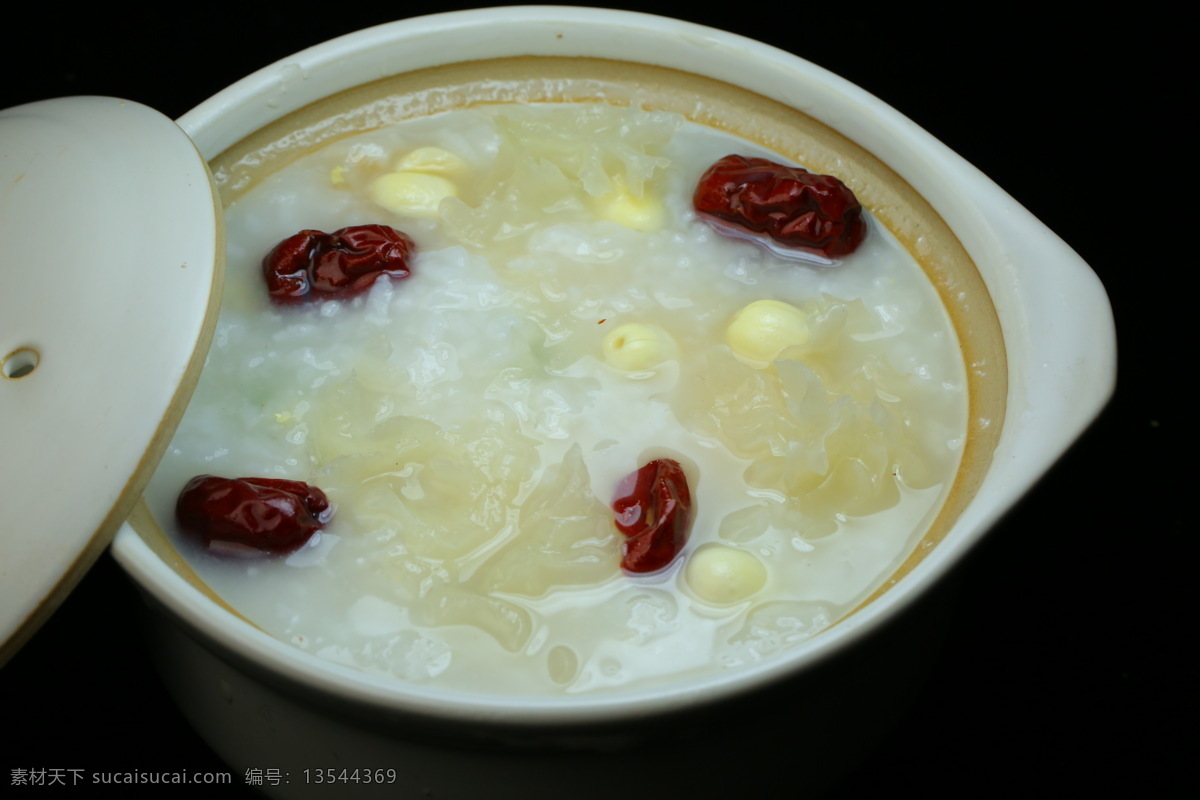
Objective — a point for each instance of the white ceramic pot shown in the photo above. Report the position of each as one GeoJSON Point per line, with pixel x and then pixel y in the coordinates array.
{"type": "Point", "coordinates": [261, 702]}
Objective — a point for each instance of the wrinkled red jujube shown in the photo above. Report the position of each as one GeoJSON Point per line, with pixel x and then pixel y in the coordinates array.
{"type": "Point", "coordinates": [798, 209]}
{"type": "Point", "coordinates": [653, 509]}
{"type": "Point", "coordinates": [313, 265]}
{"type": "Point", "coordinates": [251, 516]}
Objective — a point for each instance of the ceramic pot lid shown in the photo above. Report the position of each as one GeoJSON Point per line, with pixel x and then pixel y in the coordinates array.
{"type": "Point", "coordinates": [111, 252]}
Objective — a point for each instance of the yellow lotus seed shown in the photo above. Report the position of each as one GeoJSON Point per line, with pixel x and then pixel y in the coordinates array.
{"type": "Point", "coordinates": [431, 159]}
{"type": "Point", "coordinates": [411, 193]}
{"type": "Point", "coordinates": [722, 575]}
{"type": "Point", "coordinates": [639, 213]}
{"type": "Point", "coordinates": [763, 329]}
{"type": "Point", "coordinates": [634, 347]}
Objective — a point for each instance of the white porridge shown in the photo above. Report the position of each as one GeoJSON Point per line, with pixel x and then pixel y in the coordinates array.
{"type": "Point", "coordinates": [470, 423]}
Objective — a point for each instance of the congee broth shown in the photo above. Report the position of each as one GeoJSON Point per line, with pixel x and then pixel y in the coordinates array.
{"type": "Point", "coordinates": [471, 423]}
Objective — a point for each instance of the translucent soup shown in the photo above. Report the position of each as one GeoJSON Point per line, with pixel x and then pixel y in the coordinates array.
{"type": "Point", "coordinates": [470, 424]}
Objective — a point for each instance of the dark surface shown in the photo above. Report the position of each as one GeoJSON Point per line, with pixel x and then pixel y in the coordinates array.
{"type": "Point", "coordinates": [1056, 675]}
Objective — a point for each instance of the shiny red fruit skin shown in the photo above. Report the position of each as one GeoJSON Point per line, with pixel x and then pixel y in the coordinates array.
{"type": "Point", "coordinates": [796, 208]}
{"type": "Point", "coordinates": [251, 516]}
{"type": "Point", "coordinates": [653, 508]}
{"type": "Point", "coordinates": [312, 265]}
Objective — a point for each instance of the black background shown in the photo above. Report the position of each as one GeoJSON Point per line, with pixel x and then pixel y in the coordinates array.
{"type": "Point", "coordinates": [1062, 670]}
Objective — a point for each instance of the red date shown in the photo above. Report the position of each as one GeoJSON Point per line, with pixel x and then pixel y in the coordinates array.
{"type": "Point", "coordinates": [653, 508]}
{"type": "Point", "coordinates": [251, 516]}
{"type": "Point", "coordinates": [313, 265]}
{"type": "Point", "coordinates": [797, 209]}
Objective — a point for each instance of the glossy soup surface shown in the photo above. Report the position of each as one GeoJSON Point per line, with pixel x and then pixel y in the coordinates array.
{"type": "Point", "coordinates": [470, 424]}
